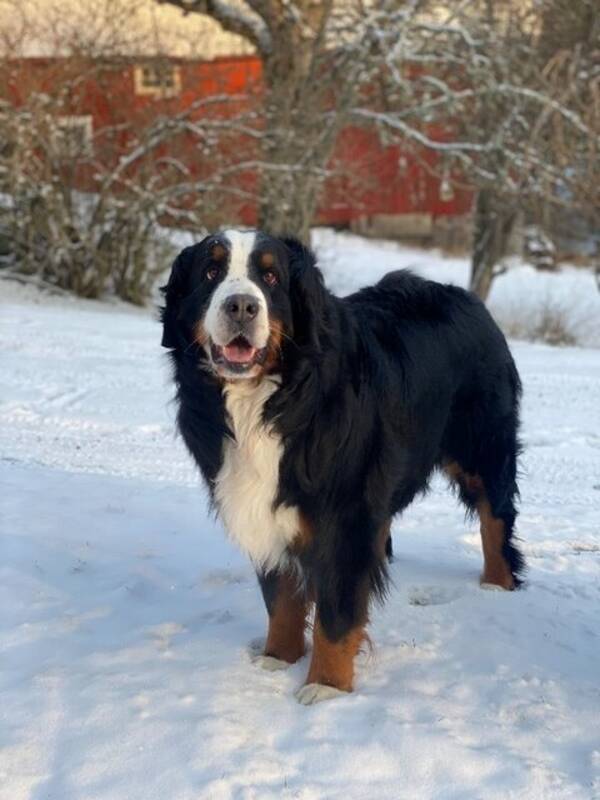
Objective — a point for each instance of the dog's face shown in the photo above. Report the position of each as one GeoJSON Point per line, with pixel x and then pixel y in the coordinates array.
{"type": "Point", "coordinates": [230, 295]}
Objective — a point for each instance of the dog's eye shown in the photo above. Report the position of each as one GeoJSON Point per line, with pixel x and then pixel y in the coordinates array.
{"type": "Point", "coordinates": [270, 278]}
{"type": "Point", "coordinates": [212, 274]}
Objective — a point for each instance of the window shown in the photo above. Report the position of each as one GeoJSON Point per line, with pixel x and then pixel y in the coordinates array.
{"type": "Point", "coordinates": [73, 136]}
{"type": "Point", "coordinates": [157, 79]}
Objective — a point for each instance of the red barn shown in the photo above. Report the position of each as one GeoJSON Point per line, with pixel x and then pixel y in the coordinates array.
{"type": "Point", "coordinates": [375, 188]}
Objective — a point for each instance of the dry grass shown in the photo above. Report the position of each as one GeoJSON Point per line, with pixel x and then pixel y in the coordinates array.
{"type": "Point", "coordinates": [556, 321]}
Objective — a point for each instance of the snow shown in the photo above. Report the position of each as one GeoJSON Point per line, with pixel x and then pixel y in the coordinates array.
{"type": "Point", "coordinates": [128, 621]}
{"type": "Point", "coordinates": [519, 299]}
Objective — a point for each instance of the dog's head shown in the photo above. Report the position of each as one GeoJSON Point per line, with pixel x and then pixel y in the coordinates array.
{"type": "Point", "coordinates": [236, 296]}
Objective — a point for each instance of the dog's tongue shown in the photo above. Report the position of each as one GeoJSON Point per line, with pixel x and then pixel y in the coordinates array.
{"type": "Point", "coordinates": [239, 352]}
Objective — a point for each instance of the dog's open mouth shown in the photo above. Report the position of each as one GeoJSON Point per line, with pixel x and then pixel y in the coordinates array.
{"type": "Point", "coordinates": [238, 356]}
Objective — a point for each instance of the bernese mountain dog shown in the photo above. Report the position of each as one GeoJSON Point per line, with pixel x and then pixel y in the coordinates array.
{"type": "Point", "coordinates": [316, 419]}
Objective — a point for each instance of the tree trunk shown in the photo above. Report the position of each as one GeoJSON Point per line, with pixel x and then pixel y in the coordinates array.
{"type": "Point", "coordinates": [289, 181]}
{"type": "Point", "coordinates": [493, 226]}
{"type": "Point", "coordinates": [299, 133]}
{"type": "Point", "coordinates": [288, 201]}
{"type": "Point", "coordinates": [295, 155]}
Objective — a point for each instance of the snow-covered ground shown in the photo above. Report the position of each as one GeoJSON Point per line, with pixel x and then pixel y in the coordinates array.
{"type": "Point", "coordinates": [523, 300]}
{"type": "Point", "coordinates": [126, 616]}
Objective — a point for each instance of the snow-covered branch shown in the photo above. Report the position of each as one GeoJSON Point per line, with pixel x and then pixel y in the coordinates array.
{"type": "Point", "coordinates": [232, 18]}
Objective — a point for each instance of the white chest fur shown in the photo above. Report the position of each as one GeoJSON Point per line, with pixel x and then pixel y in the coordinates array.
{"type": "Point", "coordinates": [247, 482]}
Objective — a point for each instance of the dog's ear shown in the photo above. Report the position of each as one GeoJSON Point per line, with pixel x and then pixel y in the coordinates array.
{"type": "Point", "coordinates": [174, 291]}
{"type": "Point", "coordinates": [308, 295]}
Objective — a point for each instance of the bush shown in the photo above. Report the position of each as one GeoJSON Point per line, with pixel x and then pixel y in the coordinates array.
{"type": "Point", "coordinates": [81, 207]}
{"type": "Point", "coordinates": [556, 320]}
{"type": "Point", "coordinates": [555, 326]}
{"type": "Point", "coordinates": [80, 247]}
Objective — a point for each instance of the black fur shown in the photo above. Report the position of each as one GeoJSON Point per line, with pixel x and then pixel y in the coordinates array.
{"type": "Point", "coordinates": [268, 582]}
{"type": "Point", "coordinates": [201, 414]}
{"type": "Point", "coordinates": [378, 389]}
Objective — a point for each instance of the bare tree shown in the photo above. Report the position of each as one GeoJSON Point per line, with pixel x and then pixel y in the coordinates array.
{"type": "Point", "coordinates": [315, 60]}
{"type": "Point", "coordinates": [85, 213]}
{"type": "Point", "coordinates": [570, 55]}
{"type": "Point", "coordinates": [465, 80]}
{"type": "Point", "coordinates": [505, 116]}
{"type": "Point", "coordinates": [82, 206]}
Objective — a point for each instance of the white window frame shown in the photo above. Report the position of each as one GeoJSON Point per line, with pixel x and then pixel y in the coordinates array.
{"type": "Point", "coordinates": [144, 87]}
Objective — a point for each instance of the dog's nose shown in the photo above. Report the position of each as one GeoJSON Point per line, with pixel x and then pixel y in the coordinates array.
{"type": "Point", "coordinates": [241, 307]}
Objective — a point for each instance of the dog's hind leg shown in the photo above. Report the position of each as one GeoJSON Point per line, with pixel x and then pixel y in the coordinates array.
{"type": "Point", "coordinates": [492, 496]}
{"type": "Point", "coordinates": [480, 450]}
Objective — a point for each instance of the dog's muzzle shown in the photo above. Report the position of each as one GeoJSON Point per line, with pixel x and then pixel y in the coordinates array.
{"type": "Point", "coordinates": [240, 334]}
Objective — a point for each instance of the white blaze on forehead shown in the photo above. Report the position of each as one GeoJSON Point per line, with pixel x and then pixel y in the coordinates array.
{"type": "Point", "coordinates": [237, 281]}
{"type": "Point", "coordinates": [241, 245]}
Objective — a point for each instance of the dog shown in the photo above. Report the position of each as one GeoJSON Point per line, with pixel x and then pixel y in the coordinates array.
{"type": "Point", "coordinates": [315, 420]}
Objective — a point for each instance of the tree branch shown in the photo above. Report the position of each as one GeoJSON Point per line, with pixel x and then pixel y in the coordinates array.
{"type": "Point", "coordinates": [231, 18]}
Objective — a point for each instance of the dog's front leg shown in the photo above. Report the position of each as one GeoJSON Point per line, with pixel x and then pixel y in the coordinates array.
{"type": "Point", "coordinates": [342, 587]}
{"type": "Point", "coordinates": [331, 670]}
{"type": "Point", "coordinates": [287, 606]}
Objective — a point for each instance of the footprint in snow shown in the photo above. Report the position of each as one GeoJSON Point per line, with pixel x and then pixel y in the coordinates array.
{"type": "Point", "coordinates": [161, 635]}
{"type": "Point", "coordinates": [432, 595]}
{"type": "Point", "coordinates": [223, 577]}
{"type": "Point", "coordinates": [585, 547]}
{"type": "Point", "coordinates": [217, 617]}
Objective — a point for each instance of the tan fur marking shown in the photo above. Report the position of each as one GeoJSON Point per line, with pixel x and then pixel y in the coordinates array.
{"type": "Point", "coordinates": [267, 260]}
{"type": "Point", "coordinates": [273, 347]}
{"type": "Point", "coordinates": [285, 639]}
{"type": "Point", "coordinates": [453, 470]}
{"type": "Point", "coordinates": [495, 568]}
{"type": "Point", "coordinates": [200, 335]}
{"type": "Point", "coordinates": [332, 663]}
{"type": "Point", "coordinates": [472, 484]}
{"type": "Point", "coordinates": [218, 252]}
{"type": "Point", "coordinates": [305, 536]}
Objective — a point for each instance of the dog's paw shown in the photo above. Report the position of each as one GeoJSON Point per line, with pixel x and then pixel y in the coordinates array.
{"type": "Point", "coordinates": [492, 587]}
{"type": "Point", "coordinates": [312, 693]}
{"type": "Point", "coordinates": [432, 595]}
{"type": "Point", "coordinates": [270, 663]}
